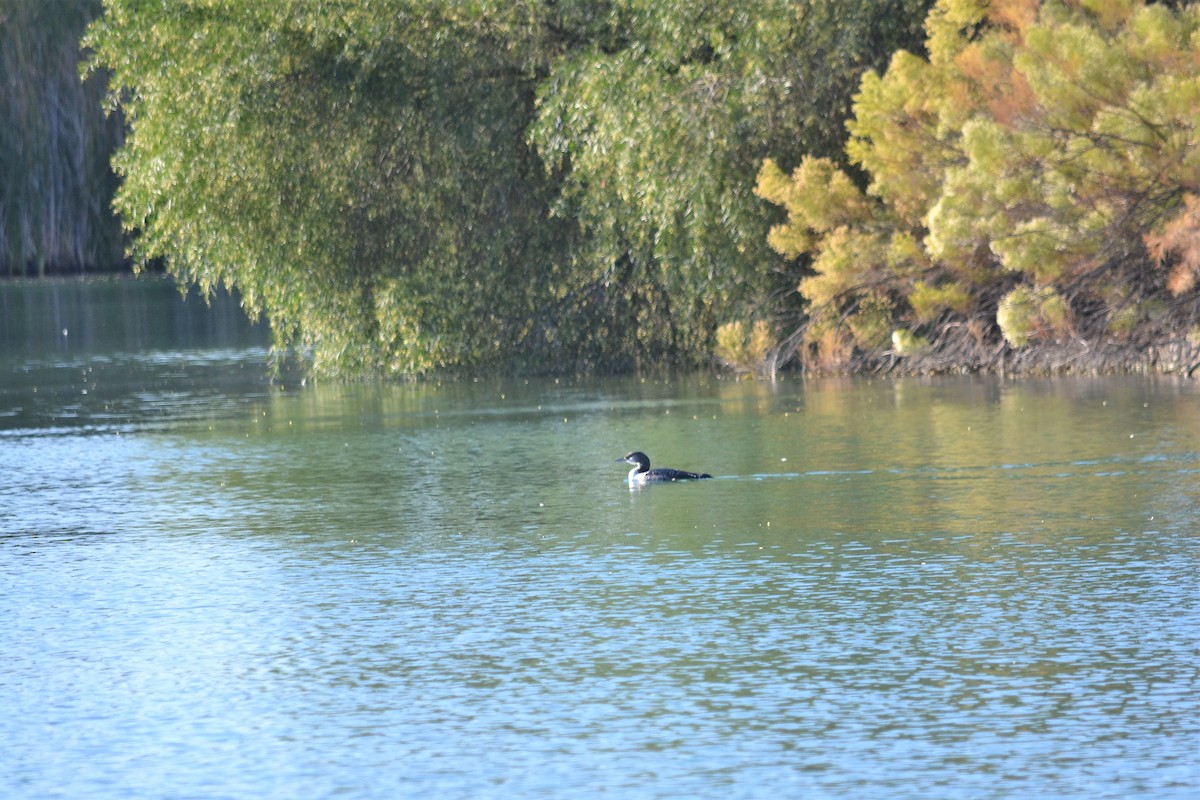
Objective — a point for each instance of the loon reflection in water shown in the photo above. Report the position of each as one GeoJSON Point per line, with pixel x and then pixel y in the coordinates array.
{"type": "Point", "coordinates": [642, 474]}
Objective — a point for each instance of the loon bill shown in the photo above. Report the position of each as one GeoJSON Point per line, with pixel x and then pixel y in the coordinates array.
{"type": "Point", "coordinates": [641, 472]}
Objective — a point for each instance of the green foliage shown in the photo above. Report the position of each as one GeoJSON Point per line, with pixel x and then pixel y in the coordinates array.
{"type": "Point", "coordinates": [906, 344]}
{"type": "Point", "coordinates": [745, 350]}
{"type": "Point", "coordinates": [659, 134]}
{"type": "Point", "coordinates": [410, 185]}
{"type": "Point", "coordinates": [1037, 145]}
{"type": "Point", "coordinates": [55, 181]}
{"type": "Point", "coordinates": [362, 182]}
{"type": "Point", "coordinates": [929, 301]}
{"type": "Point", "coordinates": [871, 323]}
{"type": "Point", "coordinates": [1026, 312]}
{"type": "Point", "coordinates": [819, 199]}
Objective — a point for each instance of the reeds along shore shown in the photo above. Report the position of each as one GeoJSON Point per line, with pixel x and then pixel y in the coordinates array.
{"type": "Point", "coordinates": [56, 184]}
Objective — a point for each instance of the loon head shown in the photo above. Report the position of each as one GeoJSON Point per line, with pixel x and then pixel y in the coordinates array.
{"type": "Point", "coordinates": [640, 460]}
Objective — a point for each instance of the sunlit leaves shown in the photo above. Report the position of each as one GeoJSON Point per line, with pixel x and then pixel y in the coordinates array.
{"type": "Point", "coordinates": [1038, 144]}
{"type": "Point", "coordinates": [904, 133]}
{"type": "Point", "coordinates": [1179, 241]}
{"type": "Point", "coordinates": [659, 134]}
{"type": "Point", "coordinates": [363, 179]}
{"type": "Point", "coordinates": [819, 198]}
{"type": "Point", "coordinates": [1026, 312]}
{"type": "Point", "coordinates": [745, 350]}
{"type": "Point", "coordinates": [929, 301]}
{"type": "Point", "coordinates": [407, 185]}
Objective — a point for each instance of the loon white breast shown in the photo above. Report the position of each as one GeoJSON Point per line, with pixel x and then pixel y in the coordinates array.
{"type": "Point", "coordinates": [642, 474]}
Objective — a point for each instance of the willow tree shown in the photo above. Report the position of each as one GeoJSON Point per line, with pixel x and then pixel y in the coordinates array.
{"type": "Point", "coordinates": [409, 185]}
{"type": "Point", "coordinates": [1016, 177]}
{"type": "Point", "coordinates": [659, 125]}
{"type": "Point", "coordinates": [360, 175]}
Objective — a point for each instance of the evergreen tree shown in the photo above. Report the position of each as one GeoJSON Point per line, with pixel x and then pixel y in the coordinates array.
{"type": "Point", "coordinates": [1035, 176]}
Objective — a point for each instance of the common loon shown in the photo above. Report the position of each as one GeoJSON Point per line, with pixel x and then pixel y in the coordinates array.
{"type": "Point", "coordinates": [641, 472]}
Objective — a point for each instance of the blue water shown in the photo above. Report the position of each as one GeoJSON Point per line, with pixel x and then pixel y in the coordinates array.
{"type": "Point", "coordinates": [217, 585]}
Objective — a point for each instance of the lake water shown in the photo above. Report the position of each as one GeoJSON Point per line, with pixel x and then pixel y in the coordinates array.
{"type": "Point", "coordinates": [212, 585]}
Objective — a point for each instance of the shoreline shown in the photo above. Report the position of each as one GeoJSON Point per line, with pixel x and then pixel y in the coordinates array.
{"type": "Point", "coordinates": [1167, 355]}
{"type": "Point", "coordinates": [1146, 351]}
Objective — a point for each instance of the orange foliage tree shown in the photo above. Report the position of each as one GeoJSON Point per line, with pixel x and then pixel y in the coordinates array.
{"type": "Point", "coordinates": [1035, 177]}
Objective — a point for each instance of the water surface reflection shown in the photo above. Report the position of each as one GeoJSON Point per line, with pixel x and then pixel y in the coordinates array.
{"type": "Point", "coordinates": [911, 588]}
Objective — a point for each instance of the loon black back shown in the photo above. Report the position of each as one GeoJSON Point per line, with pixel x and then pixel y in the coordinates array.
{"type": "Point", "coordinates": [641, 472]}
